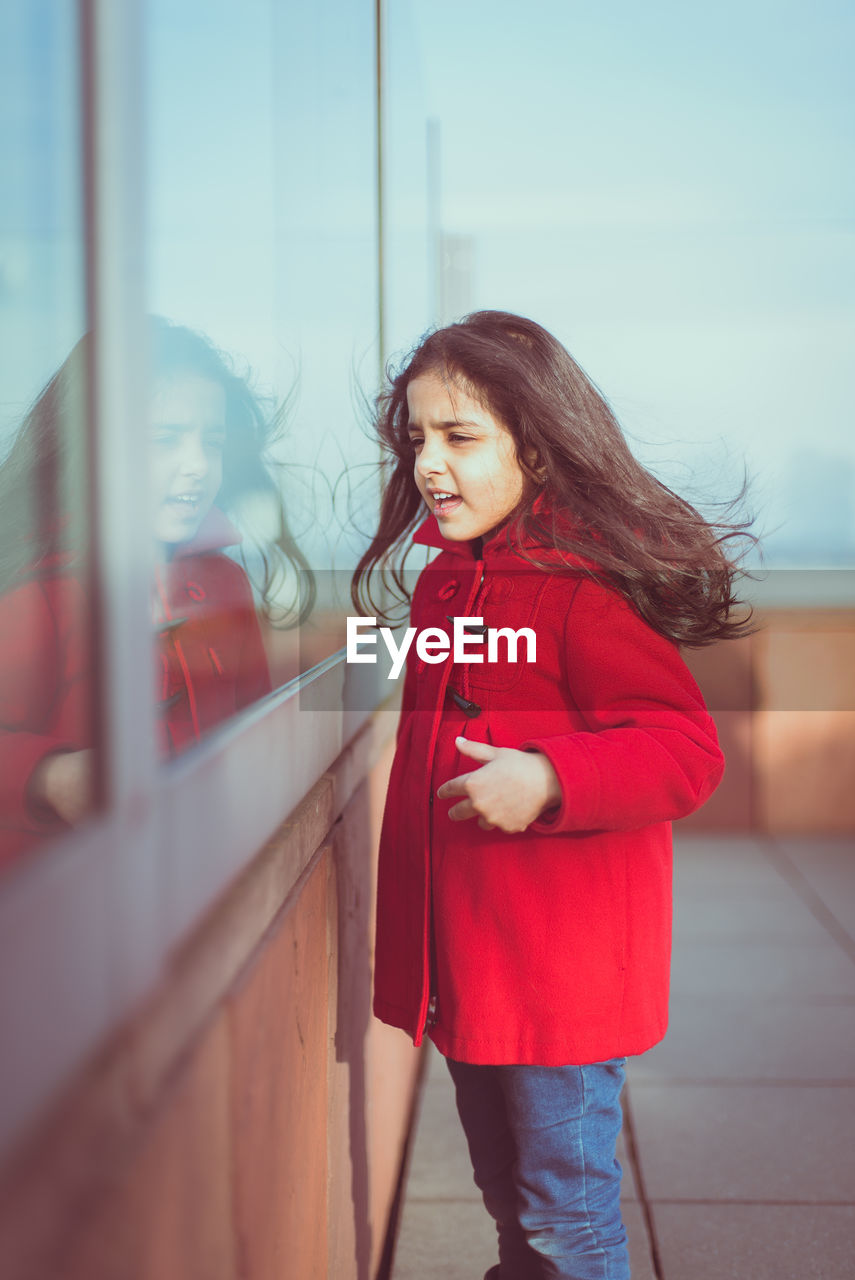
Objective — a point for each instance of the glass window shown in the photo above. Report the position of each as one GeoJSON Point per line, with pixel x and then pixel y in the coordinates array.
{"type": "Point", "coordinates": [47, 685]}
{"type": "Point", "coordinates": [263, 294]}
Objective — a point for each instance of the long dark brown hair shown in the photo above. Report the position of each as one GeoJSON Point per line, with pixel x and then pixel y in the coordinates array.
{"type": "Point", "coordinates": [599, 505]}
{"type": "Point", "coordinates": [44, 480]}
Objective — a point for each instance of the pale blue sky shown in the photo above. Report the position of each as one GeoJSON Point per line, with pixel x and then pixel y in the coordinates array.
{"type": "Point", "coordinates": [669, 187]}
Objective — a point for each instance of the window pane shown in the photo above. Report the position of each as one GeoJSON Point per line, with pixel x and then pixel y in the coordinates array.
{"type": "Point", "coordinates": [262, 231]}
{"type": "Point", "coordinates": [46, 672]}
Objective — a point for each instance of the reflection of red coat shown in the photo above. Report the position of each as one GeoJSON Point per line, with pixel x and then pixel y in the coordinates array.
{"type": "Point", "coordinates": [552, 946]}
{"type": "Point", "coordinates": [211, 655]}
{"type": "Point", "coordinates": [211, 662]}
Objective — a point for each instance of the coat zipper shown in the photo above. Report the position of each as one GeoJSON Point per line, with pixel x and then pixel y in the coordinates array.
{"type": "Point", "coordinates": [430, 1016]}
{"type": "Point", "coordinates": [432, 1012]}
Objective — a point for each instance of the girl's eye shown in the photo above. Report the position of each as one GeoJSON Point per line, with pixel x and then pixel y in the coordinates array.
{"type": "Point", "coordinates": [458, 438]}
{"type": "Point", "coordinates": [416, 442]}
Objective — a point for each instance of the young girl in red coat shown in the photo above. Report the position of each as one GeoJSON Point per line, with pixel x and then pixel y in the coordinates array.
{"type": "Point", "coordinates": [524, 899]}
{"type": "Point", "coordinates": [208, 437]}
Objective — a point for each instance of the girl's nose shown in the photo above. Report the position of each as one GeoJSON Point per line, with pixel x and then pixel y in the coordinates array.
{"type": "Point", "coordinates": [194, 459]}
{"type": "Point", "coordinates": [431, 459]}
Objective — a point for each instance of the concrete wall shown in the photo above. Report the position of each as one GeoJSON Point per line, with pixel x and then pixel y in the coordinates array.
{"type": "Point", "coordinates": [250, 1120]}
{"type": "Point", "coordinates": [784, 702]}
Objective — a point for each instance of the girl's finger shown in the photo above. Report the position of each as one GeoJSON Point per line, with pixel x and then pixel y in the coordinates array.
{"type": "Point", "coordinates": [460, 812]}
{"type": "Point", "coordinates": [453, 787]}
{"type": "Point", "coordinates": [485, 825]}
{"type": "Point", "coordinates": [482, 751]}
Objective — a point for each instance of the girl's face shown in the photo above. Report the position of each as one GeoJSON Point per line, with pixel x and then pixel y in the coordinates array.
{"type": "Point", "coordinates": [188, 425]}
{"type": "Point", "coordinates": [466, 464]}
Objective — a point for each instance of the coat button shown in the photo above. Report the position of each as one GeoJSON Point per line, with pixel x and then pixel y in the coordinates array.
{"type": "Point", "coordinates": [450, 589]}
{"type": "Point", "coordinates": [194, 591]}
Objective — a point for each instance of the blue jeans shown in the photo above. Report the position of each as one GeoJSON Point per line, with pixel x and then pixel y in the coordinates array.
{"type": "Point", "coordinates": [542, 1142]}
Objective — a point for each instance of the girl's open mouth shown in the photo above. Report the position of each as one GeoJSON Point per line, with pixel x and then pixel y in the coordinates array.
{"type": "Point", "coordinates": [186, 502]}
{"type": "Point", "coordinates": [443, 503]}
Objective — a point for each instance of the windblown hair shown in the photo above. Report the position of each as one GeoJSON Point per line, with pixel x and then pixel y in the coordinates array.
{"type": "Point", "coordinates": [45, 494]}
{"type": "Point", "coordinates": [599, 503]}
{"type": "Point", "coordinates": [44, 479]}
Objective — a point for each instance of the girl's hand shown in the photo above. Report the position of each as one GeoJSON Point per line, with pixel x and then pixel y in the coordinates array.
{"type": "Point", "coordinates": [65, 781]}
{"type": "Point", "coordinates": [510, 790]}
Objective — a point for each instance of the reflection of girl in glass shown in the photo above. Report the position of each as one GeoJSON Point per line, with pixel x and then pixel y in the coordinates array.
{"type": "Point", "coordinates": [209, 434]}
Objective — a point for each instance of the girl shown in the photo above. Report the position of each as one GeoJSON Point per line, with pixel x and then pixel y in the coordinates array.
{"type": "Point", "coordinates": [524, 900]}
{"type": "Point", "coordinates": [208, 436]}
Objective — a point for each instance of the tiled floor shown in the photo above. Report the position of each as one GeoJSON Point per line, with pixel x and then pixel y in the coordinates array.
{"type": "Point", "coordinates": [743, 1120]}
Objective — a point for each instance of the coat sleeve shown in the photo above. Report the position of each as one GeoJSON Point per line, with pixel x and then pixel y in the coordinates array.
{"type": "Point", "coordinates": [649, 752]}
{"type": "Point", "coordinates": [30, 676]}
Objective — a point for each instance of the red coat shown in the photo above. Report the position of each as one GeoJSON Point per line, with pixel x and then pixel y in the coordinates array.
{"type": "Point", "coordinates": [212, 663]}
{"type": "Point", "coordinates": [553, 946]}
{"type": "Point", "coordinates": [208, 667]}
